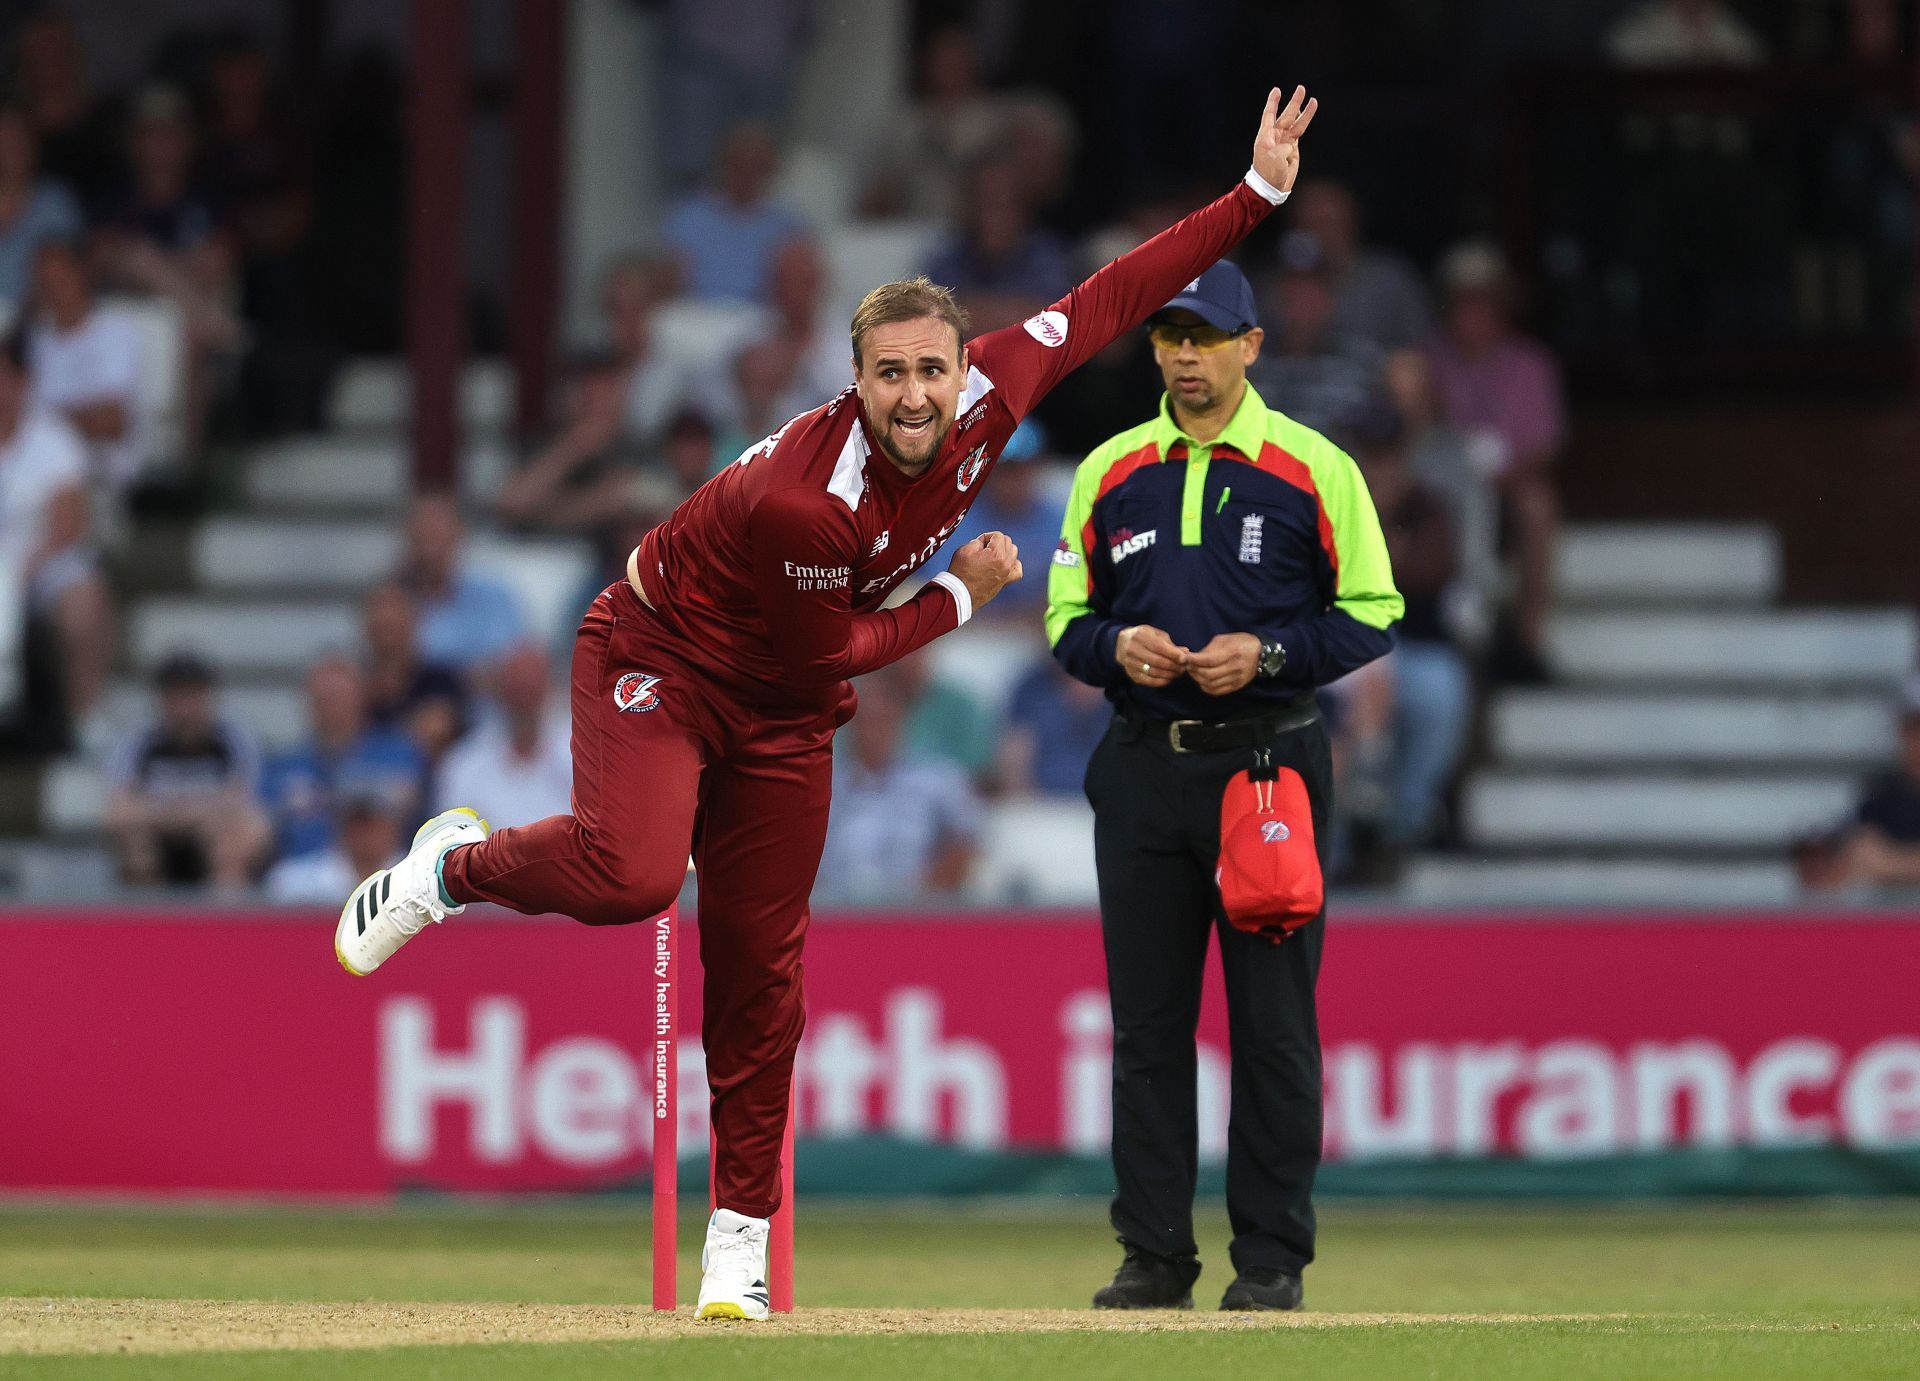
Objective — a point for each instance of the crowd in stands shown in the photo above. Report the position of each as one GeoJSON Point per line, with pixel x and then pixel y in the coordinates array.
{"type": "Point", "coordinates": [180, 264]}
{"type": "Point", "coordinates": [188, 196]}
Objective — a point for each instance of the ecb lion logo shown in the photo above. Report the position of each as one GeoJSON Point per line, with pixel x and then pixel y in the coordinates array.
{"type": "Point", "coordinates": [635, 693]}
{"type": "Point", "coordinates": [1273, 831]}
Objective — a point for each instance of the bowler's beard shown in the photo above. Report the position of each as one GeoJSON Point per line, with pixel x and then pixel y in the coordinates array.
{"type": "Point", "coordinates": [913, 469]}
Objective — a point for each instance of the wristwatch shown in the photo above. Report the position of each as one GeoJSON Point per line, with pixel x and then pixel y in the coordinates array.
{"type": "Point", "coordinates": [1273, 659]}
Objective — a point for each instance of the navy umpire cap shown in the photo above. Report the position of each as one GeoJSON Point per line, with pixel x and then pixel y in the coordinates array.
{"type": "Point", "coordinates": [1221, 297]}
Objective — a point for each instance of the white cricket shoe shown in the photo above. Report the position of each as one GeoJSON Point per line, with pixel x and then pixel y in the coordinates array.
{"type": "Point", "coordinates": [733, 1283]}
{"type": "Point", "coordinates": [395, 904]}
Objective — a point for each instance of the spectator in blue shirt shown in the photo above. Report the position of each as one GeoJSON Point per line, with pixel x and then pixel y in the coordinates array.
{"type": "Point", "coordinates": [423, 700]}
{"type": "Point", "coordinates": [1020, 503]}
{"type": "Point", "coordinates": [903, 829]}
{"type": "Point", "coordinates": [726, 238]}
{"type": "Point", "coordinates": [33, 209]}
{"type": "Point", "coordinates": [344, 757]}
{"type": "Point", "coordinates": [1003, 266]}
{"type": "Point", "coordinates": [465, 619]}
{"type": "Point", "coordinates": [1053, 724]}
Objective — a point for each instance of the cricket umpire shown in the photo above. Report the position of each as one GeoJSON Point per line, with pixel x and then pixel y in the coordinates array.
{"type": "Point", "coordinates": [1215, 566]}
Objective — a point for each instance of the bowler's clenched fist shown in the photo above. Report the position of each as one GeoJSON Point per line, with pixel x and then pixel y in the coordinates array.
{"type": "Point", "coordinates": [987, 565]}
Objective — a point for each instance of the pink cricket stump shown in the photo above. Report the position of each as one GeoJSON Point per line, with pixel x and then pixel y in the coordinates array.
{"type": "Point", "coordinates": [666, 1109]}
{"type": "Point", "coordinates": [780, 1247]}
{"type": "Point", "coordinates": [666, 1164]}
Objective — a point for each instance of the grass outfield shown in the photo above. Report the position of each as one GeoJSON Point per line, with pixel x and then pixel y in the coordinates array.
{"type": "Point", "coordinates": [549, 1291]}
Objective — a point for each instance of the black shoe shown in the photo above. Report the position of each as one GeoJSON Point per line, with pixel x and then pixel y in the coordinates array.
{"type": "Point", "coordinates": [1260, 1288]}
{"type": "Point", "coordinates": [1147, 1281]}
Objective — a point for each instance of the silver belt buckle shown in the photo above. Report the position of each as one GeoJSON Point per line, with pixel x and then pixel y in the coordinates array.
{"type": "Point", "coordinates": [1173, 734]}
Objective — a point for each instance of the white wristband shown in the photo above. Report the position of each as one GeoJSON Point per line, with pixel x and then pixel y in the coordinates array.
{"type": "Point", "coordinates": [1266, 189]}
{"type": "Point", "coordinates": [962, 596]}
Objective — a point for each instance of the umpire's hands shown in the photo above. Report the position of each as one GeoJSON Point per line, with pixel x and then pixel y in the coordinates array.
{"type": "Point", "coordinates": [987, 565]}
{"type": "Point", "coordinates": [1149, 656]}
{"type": "Point", "coordinates": [1226, 664]}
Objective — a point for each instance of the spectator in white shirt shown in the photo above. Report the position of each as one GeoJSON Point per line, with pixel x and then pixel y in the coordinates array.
{"type": "Point", "coordinates": [903, 829]}
{"type": "Point", "coordinates": [85, 363]}
{"type": "Point", "coordinates": [517, 767]}
{"type": "Point", "coordinates": [782, 359]}
{"type": "Point", "coordinates": [45, 535]}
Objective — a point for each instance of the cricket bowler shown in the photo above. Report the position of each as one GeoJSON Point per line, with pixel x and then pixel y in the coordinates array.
{"type": "Point", "coordinates": [707, 685]}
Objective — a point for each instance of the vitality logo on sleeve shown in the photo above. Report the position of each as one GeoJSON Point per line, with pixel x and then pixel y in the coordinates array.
{"type": "Point", "coordinates": [1049, 328]}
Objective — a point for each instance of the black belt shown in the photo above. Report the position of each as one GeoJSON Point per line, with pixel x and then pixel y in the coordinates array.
{"type": "Point", "coordinates": [1202, 736]}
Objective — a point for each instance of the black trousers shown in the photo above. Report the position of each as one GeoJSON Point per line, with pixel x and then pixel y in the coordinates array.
{"type": "Point", "coordinates": [1156, 841]}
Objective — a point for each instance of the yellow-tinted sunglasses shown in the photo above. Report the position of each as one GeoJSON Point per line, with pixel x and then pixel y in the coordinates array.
{"type": "Point", "coordinates": [1206, 339]}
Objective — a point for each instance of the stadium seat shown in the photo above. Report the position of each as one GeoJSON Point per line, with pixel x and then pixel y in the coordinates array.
{"type": "Point", "coordinates": [1656, 812]}
{"type": "Point", "coordinates": [1809, 647]}
{"type": "Point", "coordinates": [372, 394]}
{"type": "Point", "coordinates": [1596, 882]}
{"type": "Point", "coordinates": [1037, 852]}
{"type": "Point", "coordinates": [1722, 728]}
{"type": "Point", "coordinates": [1673, 563]}
{"type": "Point", "coordinates": [251, 635]}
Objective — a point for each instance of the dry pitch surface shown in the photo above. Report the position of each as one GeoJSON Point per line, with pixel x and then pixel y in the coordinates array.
{"type": "Point", "coordinates": [548, 1293]}
{"type": "Point", "coordinates": [52, 1326]}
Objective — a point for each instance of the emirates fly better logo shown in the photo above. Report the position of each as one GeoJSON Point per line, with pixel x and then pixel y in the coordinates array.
{"type": "Point", "coordinates": [634, 693]}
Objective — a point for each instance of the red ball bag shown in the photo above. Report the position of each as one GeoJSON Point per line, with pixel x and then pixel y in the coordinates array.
{"type": "Point", "coordinates": [1269, 872]}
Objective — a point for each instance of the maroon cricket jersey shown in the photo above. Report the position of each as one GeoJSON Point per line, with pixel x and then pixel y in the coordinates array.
{"type": "Point", "coordinates": [773, 573]}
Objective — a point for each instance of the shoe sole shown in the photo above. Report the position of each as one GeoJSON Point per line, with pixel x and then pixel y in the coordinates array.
{"type": "Point", "coordinates": [429, 827]}
{"type": "Point", "coordinates": [1250, 1308]}
{"type": "Point", "coordinates": [346, 914]}
{"type": "Point", "coordinates": [727, 1309]}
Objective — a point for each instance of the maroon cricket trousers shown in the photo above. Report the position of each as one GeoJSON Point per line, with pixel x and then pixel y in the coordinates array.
{"type": "Point", "coordinates": [666, 764]}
